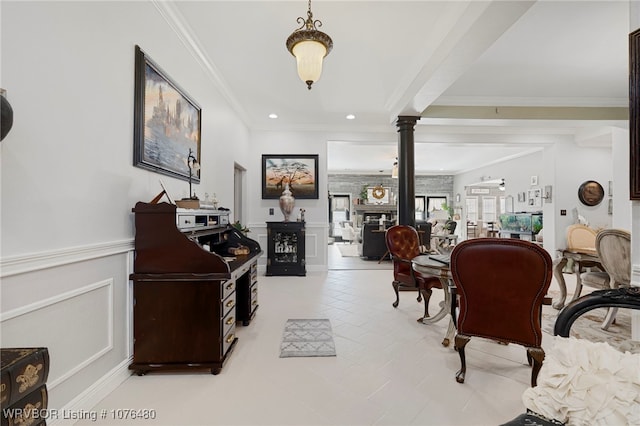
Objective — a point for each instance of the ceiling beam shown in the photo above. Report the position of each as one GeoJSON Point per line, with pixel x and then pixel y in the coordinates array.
{"type": "Point", "coordinates": [476, 29]}
{"type": "Point", "coordinates": [526, 113]}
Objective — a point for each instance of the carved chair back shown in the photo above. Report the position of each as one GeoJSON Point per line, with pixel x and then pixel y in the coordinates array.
{"type": "Point", "coordinates": [614, 250]}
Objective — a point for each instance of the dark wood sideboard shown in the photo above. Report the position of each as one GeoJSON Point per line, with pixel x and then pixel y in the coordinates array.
{"type": "Point", "coordinates": [188, 291]}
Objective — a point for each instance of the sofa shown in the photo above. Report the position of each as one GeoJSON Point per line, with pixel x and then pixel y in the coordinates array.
{"type": "Point", "coordinates": [372, 245]}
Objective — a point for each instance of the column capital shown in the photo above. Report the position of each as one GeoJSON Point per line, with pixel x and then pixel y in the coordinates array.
{"type": "Point", "coordinates": [406, 122]}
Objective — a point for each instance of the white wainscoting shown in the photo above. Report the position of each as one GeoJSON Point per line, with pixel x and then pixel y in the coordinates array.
{"type": "Point", "coordinates": [89, 331]}
{"type": "Point", "coordinates": [77, 303]}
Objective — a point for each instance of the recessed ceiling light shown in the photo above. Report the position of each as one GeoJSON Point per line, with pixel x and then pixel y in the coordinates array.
{"type": "Point", "coordinates": [351, 117]}
{"type": "Point", "coordinates": [272, 115]}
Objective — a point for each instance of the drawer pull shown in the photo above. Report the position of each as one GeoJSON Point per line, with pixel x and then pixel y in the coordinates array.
{"type": "Point", "coordinates": [255, 302]}
{"type": "Point", "coordinates": [230, 320]}
{"type": "Point", "coordinates": [229, 303]}
{"type": "Point", "coordinates": [255, 290]}
{"type": "Point", "coordinates": [229, 286]}
{"type": "Point", "coordinates": [230, 338]}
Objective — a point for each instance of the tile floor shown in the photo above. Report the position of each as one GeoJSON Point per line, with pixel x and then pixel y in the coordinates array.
{"type": "Point", "coordinates": [389, 369]}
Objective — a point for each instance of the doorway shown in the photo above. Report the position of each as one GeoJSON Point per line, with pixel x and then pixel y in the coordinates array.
{"type": "Point", "coordinates": [239, 177]}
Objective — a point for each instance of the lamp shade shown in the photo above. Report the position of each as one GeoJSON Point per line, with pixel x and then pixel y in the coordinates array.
{"type": "Point", "coordinates": [309, 46]}
{"type": "Point", "coordinates": [309, 55]}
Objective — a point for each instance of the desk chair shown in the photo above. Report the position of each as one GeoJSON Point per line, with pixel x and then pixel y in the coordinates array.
{"type": "Point", "coordinates": [403, 244]}
{"type": "Point", "coordinates": [501, 285]}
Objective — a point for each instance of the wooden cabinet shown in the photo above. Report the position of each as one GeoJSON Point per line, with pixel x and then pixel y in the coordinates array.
{"type": "Point", "coordinates": [186, 302]}
{"type": "Point", "coordinates": [182, 321]}
{"type": "Point", "coordinates": [286, 248]}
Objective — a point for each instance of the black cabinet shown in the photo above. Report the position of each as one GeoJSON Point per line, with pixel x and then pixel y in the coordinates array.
{"type": "Point", "coordinates": [286, 248]}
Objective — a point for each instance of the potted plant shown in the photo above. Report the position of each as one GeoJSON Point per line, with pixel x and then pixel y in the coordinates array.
{"type": "Point", "coordinates": [240, 227]}
{"type": "Point", "coordinates": [448, 208]}
{"type": "Point", "coordinates": [364, 195]}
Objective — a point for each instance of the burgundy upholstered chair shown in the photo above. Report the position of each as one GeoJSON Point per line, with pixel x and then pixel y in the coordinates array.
{"type": "Point", "coordinates": [403, 244]}
{"type": "Point", "coordinates": [501, 285]}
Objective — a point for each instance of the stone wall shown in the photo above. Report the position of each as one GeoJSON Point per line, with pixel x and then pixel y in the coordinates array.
{"type": "Point", "coordinates": [425, 185]}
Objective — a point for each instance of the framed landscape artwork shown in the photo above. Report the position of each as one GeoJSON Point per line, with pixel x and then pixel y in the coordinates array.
{"type": "Point", "coordinates": [634, 114]}
{"type": "Point", "coordinates": [166, 122]}
{"type": "Point", "coordinates": [299, 171]}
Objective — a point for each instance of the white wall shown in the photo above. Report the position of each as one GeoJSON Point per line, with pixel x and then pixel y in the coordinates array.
{"type": "Point", "coordinates": [316, 211]}
{"type": "Point", "coordinates": [620, 197]}
{"type": "Point", "coordinates": [563, 165]}
{"type": "Point", "coordinates": [68, 183]}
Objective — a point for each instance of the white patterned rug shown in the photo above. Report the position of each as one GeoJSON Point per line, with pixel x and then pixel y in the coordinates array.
{"type": "Point", "coordinates": [348, 250]}
{"type": "Point", "coordinates": [587, 327]}
{"type": "Point", "coordinates": [307, 338]}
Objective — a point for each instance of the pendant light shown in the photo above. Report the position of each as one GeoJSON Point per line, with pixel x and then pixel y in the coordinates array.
{"type": "Point", "coordinates": [309, 46]}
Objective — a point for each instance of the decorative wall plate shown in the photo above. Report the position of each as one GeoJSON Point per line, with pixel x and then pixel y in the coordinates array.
{"type": "Point", "coordinates": [590, 193]}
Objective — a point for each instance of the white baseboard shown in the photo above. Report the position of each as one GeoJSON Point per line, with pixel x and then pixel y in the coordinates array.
{"type": "Point", "coordinates": [95, 393]}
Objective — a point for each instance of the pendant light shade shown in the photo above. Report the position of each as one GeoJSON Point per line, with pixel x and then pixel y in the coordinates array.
{"type": "Point", "coordinates": [309, 46]}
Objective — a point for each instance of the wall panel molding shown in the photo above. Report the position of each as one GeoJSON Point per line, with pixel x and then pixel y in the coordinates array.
{"type": "Point", "coordinates": [51, 302]}
{"type": "Point", "coordinates": [32, 262]}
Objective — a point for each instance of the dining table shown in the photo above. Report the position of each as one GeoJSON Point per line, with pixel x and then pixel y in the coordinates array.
{"type": "Point", "coordinates": [438, 266]}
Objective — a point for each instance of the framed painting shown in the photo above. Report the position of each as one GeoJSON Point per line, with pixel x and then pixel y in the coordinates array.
{"type": "Point", "coordinates": [166, 122]}
{"type": "Point", "coordinates": [634, 114]}
{"type": "Point", "coordinates": [299, 171]}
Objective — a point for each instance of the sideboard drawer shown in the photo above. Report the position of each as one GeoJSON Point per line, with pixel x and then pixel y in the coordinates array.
{"type": "Point", "coordinates": [228, 287]}
{"type": "Point", "coordinates": [228, 339]}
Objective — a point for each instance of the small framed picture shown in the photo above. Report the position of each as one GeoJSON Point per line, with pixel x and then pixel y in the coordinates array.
{"type": "Point", "coordinates": [535, 197]}
{"type": "Point", "coordinates": [534, 180]}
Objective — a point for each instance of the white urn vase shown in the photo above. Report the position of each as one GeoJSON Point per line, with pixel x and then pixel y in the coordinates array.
{"type": "Point", "coordinates": [287, 201]}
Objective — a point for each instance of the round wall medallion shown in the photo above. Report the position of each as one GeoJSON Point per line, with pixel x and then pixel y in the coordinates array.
{"type": "Point", "coordinates": [378, 192]}
{"type": "Point", "coordinates": [590, 193]}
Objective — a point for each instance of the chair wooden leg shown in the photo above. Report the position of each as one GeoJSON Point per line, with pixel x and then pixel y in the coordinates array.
{"type": "Point", "coordinates": [419, 298]}
{"type": "Point", "coordinates": [460, 342]}
{"type": "Point", "coordinates": [538, 357]}
{"type": "Point", "coordinates": [609, 318]}
{"type": "Point", "coordinates": [395, 285]}
{"type": "Point", "coordinates": [577, 270]}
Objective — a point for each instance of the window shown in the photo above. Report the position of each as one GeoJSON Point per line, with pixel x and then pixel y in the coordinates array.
{"type": "Point", "coordinates": [420, 202]}
{"type": "Point", "coordinates": [472, 209]}
{"type": "Point", "coordinates": [489, 209]}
